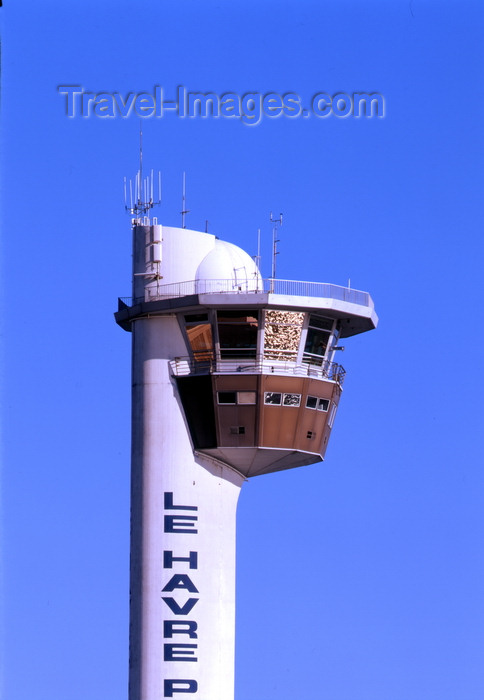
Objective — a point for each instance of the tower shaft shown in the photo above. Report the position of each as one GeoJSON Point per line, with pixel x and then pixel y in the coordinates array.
{"type": "Point", "coordinates": [182, 539]}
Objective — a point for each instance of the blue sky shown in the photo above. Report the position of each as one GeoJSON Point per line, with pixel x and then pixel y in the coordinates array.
{"type": "Point", "coordinates": [361, 578]}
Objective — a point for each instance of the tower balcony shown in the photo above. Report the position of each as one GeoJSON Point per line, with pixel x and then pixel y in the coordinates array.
{"type": "Point", "coordinates": [259, 415]}
{"type": "Point", "coordinates": [258, 286]}
{"type": "Point", "coordinates": [324, 369]}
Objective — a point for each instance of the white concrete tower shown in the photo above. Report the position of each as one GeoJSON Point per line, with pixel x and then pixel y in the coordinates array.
{"type": "Point", "coordinates": [232, 377]}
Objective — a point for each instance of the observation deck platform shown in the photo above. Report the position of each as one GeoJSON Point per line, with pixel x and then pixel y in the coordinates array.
{"type": "Point", "coordinates": [355, 308]}
{"type": "Point", "coordinates": [258, 384]}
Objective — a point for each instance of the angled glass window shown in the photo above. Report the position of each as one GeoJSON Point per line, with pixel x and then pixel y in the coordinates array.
{"type": "Point", "coordinates": [319, 331]}
{"type": "Point", "coordinates": [321, 322]}
{"type": "Point", "coordinates": [237, 333]}
{"type": "Point", "coordinates": [199, 332]}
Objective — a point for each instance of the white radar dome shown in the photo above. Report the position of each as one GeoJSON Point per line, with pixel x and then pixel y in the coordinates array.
{"type": "Point", "coordinates": [227, 268]}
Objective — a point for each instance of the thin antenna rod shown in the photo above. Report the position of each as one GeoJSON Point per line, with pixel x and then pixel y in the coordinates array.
{"type": "Point", "coordinates": [140, 159]}
{"type": "Point", "coordinates": [275, 241]}
{"type": "Point", "coordinates": [141, 192]}
{"type": "Point", "coordinates": [184, 210]}
{"type": "Point", "coordinates": [257, 260]}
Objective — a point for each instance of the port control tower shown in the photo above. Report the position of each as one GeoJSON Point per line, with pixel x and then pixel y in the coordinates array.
{"type": "Point", "coordinates": [233, 376]}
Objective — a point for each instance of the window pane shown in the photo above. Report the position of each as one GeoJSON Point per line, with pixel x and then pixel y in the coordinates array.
{"type": "Point", "coordinates": [272, 398]}
{"type": "Point", "coordinates": [323, 404]}
{"type": "Point", "coordinates": [196, 318]}
{"type": "Point", "coordinates": [292, 399]}
{"type": "Point", "coordinates": [311, 402]}
{"type": "Point", "coordinates": [318, 322]}
{"type": "Point", "coordinates": [237, 332]}
{"type": "Point", "coordinates": [227, 397]}
{"type": "Point", "coordinates": [332, 415]}
{"type": "Point", "coordinates": [316, 341]}
{"type": "Point", "coordinates": [246, 397]}
{"type": "Point", "coordinates": [200, 338]}
{"type": "Point", "coordinates": [242, 316]}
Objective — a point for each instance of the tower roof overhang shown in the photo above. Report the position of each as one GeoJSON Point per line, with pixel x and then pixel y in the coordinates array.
{"type": "Point", "coordinates": [356, 318]}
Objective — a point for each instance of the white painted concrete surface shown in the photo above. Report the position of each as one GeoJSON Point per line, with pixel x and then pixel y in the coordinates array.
{"type": "Point", "coordinates": [182, 627]}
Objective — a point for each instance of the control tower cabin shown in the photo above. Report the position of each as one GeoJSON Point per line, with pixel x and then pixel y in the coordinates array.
{"type": "Point", "coordinates": [233, 376]}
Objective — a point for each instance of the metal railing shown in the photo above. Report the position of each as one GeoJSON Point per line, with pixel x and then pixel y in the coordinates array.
{"type": "Point", "coordinates": [273, 286]}
{"type": "Point", "coordinates": [185, 366]}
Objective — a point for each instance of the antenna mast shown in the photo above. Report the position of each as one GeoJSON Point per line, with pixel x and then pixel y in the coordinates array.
{"type": "Point", "coordinates": [140, 162]}
{"type": "Point", "coordinates": [257, 259]}
{"type": "Point", "coordinates": [143, 199]}
{"type": "Point", "coordinates": [275, 241]}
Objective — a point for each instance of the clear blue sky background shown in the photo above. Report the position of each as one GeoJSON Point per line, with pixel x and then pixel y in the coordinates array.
{"type": "Point", "coordinates": [361, 578]}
